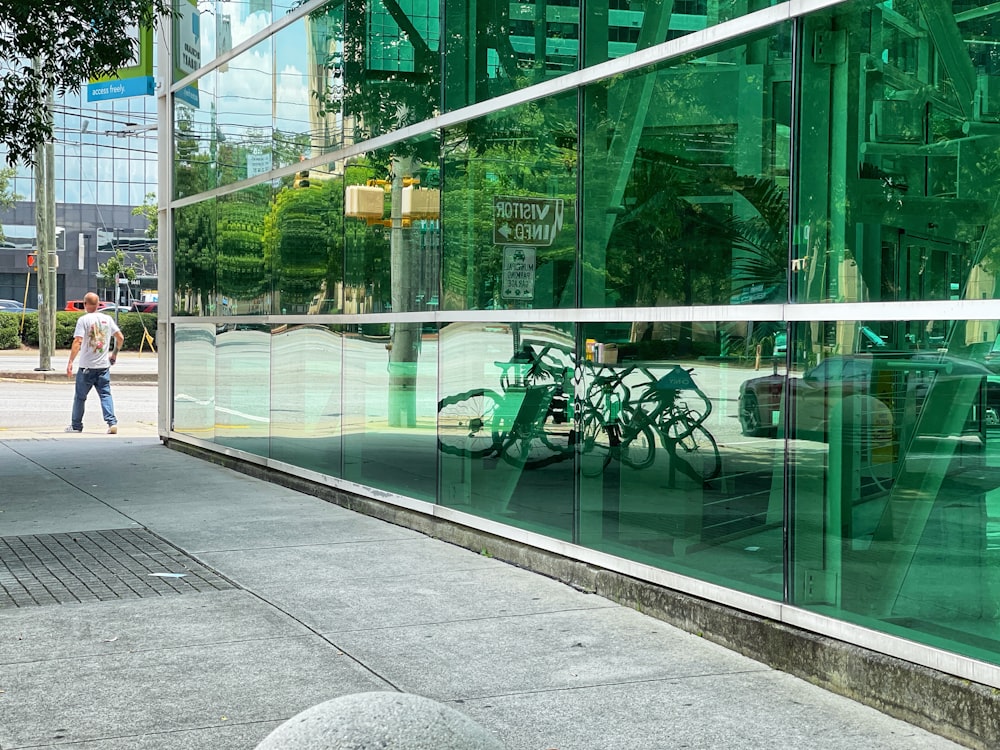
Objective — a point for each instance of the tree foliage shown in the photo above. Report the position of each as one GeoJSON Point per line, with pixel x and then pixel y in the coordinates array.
{"type": "Point", "coordinates": [114, 268]}
{"type": "Point", "coordinates": [7, 196]}
{"type": "Point", "coordinates": [149, 211]}
{"type": "Point", "coordinates": [70, 42]}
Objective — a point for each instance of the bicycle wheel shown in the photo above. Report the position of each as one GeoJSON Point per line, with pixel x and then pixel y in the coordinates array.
{"type": "Point", "coordinates": [596, 447]}
{"type": "Point", "coordinates": [677, 424]}
{"type": "Point", "coordinates": [526, 446]}
{"type": "Point", "coordinates": [638, 446]}
{"type": "Point", "coordinates": [465, 423]}
{"type": "Point", "coordinates": [699, 451]}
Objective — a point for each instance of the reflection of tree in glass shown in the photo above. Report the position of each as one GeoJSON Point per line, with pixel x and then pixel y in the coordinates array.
{"type": "Point", "coordinates": [531, 152]}
{"type": "Point", "coordinates": [241, 270]}
{"type": "Point", "coordinates": [760, 239]}
{"type": "Point", "coordinates": [194, 256]}
{"type": "Point", "coordinates": [297, 242]}
{"type": "Point", "coordinates": [665, 248]}
{"type": "Point", "coordinates": [378, 76]}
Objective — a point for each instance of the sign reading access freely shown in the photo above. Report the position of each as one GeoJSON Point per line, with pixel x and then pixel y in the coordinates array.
{"type": "Point", "coordinates": [530, 222]}
{"type": "Point", "coordinates": [518, 272]}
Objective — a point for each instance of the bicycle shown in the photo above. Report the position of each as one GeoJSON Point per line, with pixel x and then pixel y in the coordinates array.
{"type": "Point", "coordinates": [529, 426]}
{"type": "Point", "coordinates": [681, 428]}
{"type": "Point", "coordinates": [629, 425]}
{"type": "Point", "coordinates": [609, 430]}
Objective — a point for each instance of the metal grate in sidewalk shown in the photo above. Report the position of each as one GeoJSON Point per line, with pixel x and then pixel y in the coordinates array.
{"type": "Point", "coordinates": [91, 566]}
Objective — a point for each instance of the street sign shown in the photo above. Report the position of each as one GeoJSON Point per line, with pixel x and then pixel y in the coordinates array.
{"type": "Point", "coordinates": [531, 222]}
{"type": "Point", "coordinates": [518, 273]}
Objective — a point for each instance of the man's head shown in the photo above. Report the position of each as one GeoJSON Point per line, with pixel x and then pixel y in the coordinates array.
{"type": "Point", "coordinates": [90, 302]}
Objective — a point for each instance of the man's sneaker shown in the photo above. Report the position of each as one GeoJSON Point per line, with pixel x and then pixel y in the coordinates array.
{"type": "Point", "coordinates": [72, 429]}
{"type": "Point", "coordinates": [112, 429]}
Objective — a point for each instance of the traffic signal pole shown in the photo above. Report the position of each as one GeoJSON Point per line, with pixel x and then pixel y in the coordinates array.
{"type": "Point", "coordinates": [45, 239]}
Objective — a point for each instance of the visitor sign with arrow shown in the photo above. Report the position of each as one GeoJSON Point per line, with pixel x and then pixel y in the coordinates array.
{"type": "Point", "coordinates": [529, 222]}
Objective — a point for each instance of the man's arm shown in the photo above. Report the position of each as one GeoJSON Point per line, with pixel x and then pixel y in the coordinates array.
{"type": "Point", "coordinates": [119, 343]}
{"type": "Point", "coordinates": [77, 341]}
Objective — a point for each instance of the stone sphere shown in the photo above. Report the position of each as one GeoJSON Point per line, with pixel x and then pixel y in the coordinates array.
{"type": "Point", "coordinates": [380, 721]}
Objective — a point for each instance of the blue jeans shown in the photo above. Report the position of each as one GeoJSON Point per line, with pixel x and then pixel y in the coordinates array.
{"type": "Point", "coordinates": [85, 380]}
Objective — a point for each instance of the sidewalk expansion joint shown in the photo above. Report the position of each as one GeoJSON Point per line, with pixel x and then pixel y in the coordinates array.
{"type": "Point", "coordinates": [93, 566]}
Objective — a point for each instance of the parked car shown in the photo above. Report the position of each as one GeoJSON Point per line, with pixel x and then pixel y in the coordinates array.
{"type": "Point", "coordinates": [12, 305]}
{"type": "Point", "coordinates": [146, 307]}
{"type": "Point", "coordinates": [76, 305]}
{"type": "Point", "coordinates": [878, 382]}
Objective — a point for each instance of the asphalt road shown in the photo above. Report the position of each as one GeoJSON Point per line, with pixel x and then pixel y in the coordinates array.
{"type": "Point", "coordinates": [26, 403]}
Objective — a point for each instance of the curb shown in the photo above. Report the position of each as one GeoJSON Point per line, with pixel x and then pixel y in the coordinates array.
{"type": "Point", "coordinates": [56, 376]}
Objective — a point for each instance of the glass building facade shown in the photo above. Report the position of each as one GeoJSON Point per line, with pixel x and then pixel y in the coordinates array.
{"type": "Point", "coordinates": [705, 292]}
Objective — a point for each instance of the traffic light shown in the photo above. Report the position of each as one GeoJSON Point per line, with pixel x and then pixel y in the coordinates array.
{"type": "Point", "coordinates": [31, 258]}
{"type": "Point", "coordinates": [301, 179]}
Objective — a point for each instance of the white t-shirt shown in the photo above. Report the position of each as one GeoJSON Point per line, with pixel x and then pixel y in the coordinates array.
{"type": "Point", "coordinates": [97, 332]}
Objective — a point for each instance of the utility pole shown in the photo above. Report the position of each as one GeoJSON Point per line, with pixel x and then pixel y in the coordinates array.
{"type": "Point", "coordinates": [45, 238]}
{"type": "Point", "coordinates": [405, 335]}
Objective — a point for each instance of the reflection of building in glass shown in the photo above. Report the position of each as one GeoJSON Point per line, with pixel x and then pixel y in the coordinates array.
{"type": "Point", "coordinates": [645, 284]}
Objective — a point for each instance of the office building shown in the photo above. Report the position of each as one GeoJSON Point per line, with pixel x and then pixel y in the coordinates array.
{"type": "Point", "coordinates": [105, 167]}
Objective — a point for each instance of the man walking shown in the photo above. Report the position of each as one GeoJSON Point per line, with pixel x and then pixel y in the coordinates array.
{"type": "Point", "coordinates": [92, 341]}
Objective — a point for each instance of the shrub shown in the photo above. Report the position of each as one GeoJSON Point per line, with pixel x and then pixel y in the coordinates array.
{"type": "Point", "coordinates": [132, 327]}
{"type": "Point", "coordinates": [65, 325]}
{"type": "Point", "coordinates": [130, 323]}
{"type": "Point", "coordinates": [9, 336]}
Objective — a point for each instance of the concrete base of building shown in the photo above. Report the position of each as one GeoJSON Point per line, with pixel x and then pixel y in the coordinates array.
{"type": "Point", "coordinates": [955, 708]}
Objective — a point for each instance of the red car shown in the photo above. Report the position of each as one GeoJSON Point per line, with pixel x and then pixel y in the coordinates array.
{"type": "Point", "coordinates": [145, 307]}
{"type": "Point", "coordinates": [76, 305]}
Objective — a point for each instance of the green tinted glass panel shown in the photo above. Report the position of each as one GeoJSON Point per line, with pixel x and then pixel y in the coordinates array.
{"type": "Point", "coordinates": [896, 465]}
{"type": "Point", "coordinates": [246, 93]}
{"type": "Point", "coordinates": [671, 473]}
{"type": "Point", "coordinates": [242, 388]}
{"type": "Point", "coordinates": [495, 48]}
{"type": "Point", "coordinates": [194, 381]}
{"type": "Point", "coordinates": [509, 206]}
{"type": "Point", "coordinates": [195, 153]}
{"type": "Point", "coordinates": [242, 267]}
{"type": "Point", "coordinates": [303, 242]}
{"type": "Point", "coordinates": [306, 403]}
{"type": "Point", "coordinates": [505, 423]}
{"type": "Point", "coordinates": [898, 189]}
{"type": "Point", "coordinates": [308, 75]}
{"type": "Point", "coordinates": [387, 73]}
{"type": "Point", "coordinates": [685, 177]}
{"type": "Point", "coordinates": [194, 258]}
{"type": "Point", "coordinates": [391, 235]}
{"type": "Point", "coordinates": [389, 398]}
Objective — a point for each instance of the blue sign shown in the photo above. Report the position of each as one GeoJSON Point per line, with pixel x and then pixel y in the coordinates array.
{"type": "Point", "coordinates": [121, 88]}
{"type": "Point", "coordinates": [188, 95]}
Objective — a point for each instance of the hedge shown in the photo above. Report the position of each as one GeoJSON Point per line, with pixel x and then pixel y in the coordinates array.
{"type": "Point", "coordinates": [12, 336]}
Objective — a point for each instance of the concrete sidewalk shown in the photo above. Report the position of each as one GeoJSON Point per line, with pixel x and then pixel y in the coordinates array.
{"type": "Point", "coordinates": [22, 364]}
{"type": "Point", "coordinates": [158, 601]}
